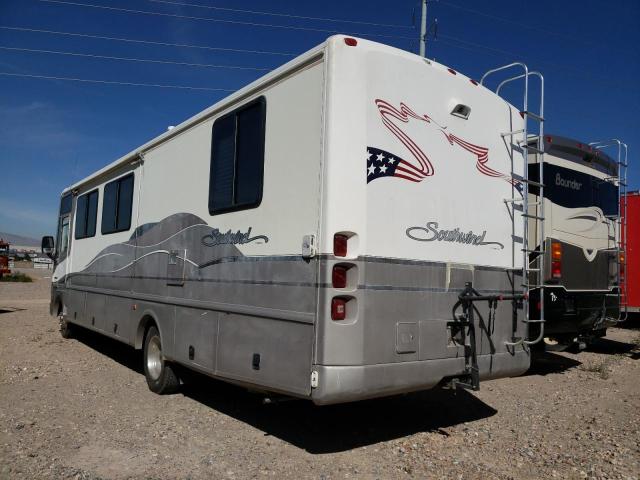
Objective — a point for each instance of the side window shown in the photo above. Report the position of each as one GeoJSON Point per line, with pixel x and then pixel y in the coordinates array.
{"type": "Point", "coordinates": [117, 204]}
{"type": "Point", "coordinates": [86, 214]}
{"type": "Point", "coordinates": [66, 203]}
{"type": "Point", "coordinates": [237, 159]}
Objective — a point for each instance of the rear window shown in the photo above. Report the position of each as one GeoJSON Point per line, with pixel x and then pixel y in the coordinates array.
{"type": "Point", "coordinates": [237, 159]}
{"type": "Point", "coordinates": [86, 215]}
{"type": "Point", "coordinates": [117, 204]}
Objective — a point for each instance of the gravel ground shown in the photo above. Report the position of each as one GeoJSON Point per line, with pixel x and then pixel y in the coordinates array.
{"type": "Point", "coordinates": [81, 409]}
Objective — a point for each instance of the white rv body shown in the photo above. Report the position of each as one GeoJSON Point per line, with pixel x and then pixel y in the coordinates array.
{"type": "Point", "coordinates": [401, 155]}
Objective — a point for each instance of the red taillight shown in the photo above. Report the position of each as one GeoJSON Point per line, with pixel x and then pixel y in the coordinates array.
{"type": "Point", "coordinates": [522, 114]}
{"type": "Point", "coordinates": [452, 71]}
{"type": "Point", "coordinates": [352, 42]}
{"type": "Point", "coordinates": [549, 140]}
{"type": "Point", "coordinates": [622, 269]}
{"type": "Point", "coordinates": [339, 277]}
{"type": "Point", "coordinates": [556, 269]}
{"type": "Point", "coordinates": [338, 309]}
{"type": "Point", "coordinates": [538, 305]}
{"type": "Point", "coordinates": [556, 260]}
{"type": "Point", "coordinates": [340, 245]}
{"type": "Point", "coordinates": [473, 81]}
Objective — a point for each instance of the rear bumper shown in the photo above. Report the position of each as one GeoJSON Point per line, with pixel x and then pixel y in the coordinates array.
{"type": "Point", "coordinates": [338, 384]}
{"type": "Point", "coordinates": [571, 313]}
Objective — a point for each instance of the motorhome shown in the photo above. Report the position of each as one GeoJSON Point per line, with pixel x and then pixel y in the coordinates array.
{"type": "Point", "coordinates": [581, 251]}
{"type": "Point", "coordinates": [334, 231]}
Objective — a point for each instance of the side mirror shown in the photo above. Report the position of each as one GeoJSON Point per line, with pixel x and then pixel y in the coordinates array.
{"type": "Point", "coordinates": [47, 246]}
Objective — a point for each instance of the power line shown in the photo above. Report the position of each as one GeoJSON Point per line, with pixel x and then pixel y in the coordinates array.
{"type": "Point", "coordinates": [283, 15]}
{"type": "Point", "coordinates": [129, 59]}
{"type": "Point", "coordinates": [112, 82]}
{"type": "Point", "coordinates": [216, 20]}
{"type": "Point", "coordinates": [478, 48]}
{"type": "Point", "coordinates": [512, 22]}
{"type": "Point", "coordinates": [146, 42]}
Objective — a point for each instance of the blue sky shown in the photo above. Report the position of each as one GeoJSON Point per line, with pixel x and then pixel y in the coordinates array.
{"type": "Point", "coordinates": [55, 132]}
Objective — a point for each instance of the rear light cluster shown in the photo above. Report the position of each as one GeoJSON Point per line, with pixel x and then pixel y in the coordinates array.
{"type": "Point", "coordinates": [556, 260]}
{"type": "Point", "coordinates": [340, 277]}
{"type": "Point", "coordinates": [622, 269]}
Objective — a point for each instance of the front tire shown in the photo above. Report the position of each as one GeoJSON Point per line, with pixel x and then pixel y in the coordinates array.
{"type": "Point", "coordinates": [161, 375]}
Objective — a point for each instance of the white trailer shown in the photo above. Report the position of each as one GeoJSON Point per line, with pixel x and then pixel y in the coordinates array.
{"type": "Point", "coordinates": [312, 233]}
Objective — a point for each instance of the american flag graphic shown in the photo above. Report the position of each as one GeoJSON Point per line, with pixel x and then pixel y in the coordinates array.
{"type": "Point", "coordinates": [381, 163]}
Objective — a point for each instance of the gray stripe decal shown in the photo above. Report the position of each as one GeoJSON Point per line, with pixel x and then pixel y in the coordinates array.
{"type": "Point", "coordinates": [300, 284]}
{"type": "Point", "coordinates": [286, 315]}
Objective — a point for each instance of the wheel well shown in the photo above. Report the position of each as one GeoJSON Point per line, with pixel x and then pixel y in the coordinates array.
{"type": "Point", "coordinates": [143, 326]}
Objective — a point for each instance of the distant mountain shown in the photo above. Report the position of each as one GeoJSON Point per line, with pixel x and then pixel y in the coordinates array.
{"type": "Point", "coordinates": [19, 240]}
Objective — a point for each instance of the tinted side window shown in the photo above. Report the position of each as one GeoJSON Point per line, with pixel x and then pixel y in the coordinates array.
{"type": "Point", "coordinates": [81, 216]}
{"type": "Point", "coordinates": [109, 204]}
{"type": "Point", "coordinates": [65, 204]}
{"type": "Point", "coordinates": [86, 213]}
{"type": "Point", "coordinates": [125, 202]}
{"type": "Point", "coordinates": [222, 163]}
{"type": "Point", "coordinates": [117, 205]}
{"type": "Point", "coordinates": [237, 159]}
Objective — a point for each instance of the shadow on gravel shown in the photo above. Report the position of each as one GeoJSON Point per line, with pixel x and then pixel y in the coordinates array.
{"type": "Point", "coordinates": [328, 429]}
{"type": "Point", "coordinates": [613, 347]}
{"type": "Point", "coordinates": [544, 363]}
{"type": "Point", "coordinates": [117, 351]}
{"type": "Point", "coordinates": [337, 428]}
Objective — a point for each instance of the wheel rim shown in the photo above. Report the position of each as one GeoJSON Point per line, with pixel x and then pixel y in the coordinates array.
{"type": "Point", "coordinates": [154, 358]}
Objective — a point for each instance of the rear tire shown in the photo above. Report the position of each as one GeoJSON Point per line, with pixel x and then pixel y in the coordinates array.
{"type": "Point", "coordinates": [161, 375]}
{"type": "Point", "coordinates": [67, 330]}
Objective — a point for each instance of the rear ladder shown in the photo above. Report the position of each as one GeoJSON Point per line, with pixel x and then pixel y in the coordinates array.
{"type": "Point", "coordinates": [531, 147]}
{"type": "Point", "coordinates": [619, 220]}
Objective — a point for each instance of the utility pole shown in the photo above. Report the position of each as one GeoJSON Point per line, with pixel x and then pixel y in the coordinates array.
{"type": "Point", "coordinates": [423, 30]}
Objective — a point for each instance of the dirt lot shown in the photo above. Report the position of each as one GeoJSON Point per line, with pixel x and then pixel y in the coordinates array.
{"type": "Point", "coordinates": [81, 409]}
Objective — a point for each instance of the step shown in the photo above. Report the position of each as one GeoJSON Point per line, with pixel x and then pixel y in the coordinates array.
{"type": "Point", "coordinates": [515, 176]}
{"type": "Point", "coordinates": [528, 215]}
{"type": "Point", "coordinates": [532, 148]}
{"type": "Point", "coordinates": [535, 116]}
{"type": "Point", "coordinates": [511, 134]}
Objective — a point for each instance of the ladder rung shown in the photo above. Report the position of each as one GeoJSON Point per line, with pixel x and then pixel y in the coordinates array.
{"type": "Point", "coordinates": [531, 148]}
{"type": "Point", "coordinates": [532, 285]}
{"type": "Point", "coordinates": [532, 251]}
{"type": "Point", "coordinates": [515, 176]}
{"type": "Point", "coordinates": [534, 321]}
{"type": "Point", "coordinates": [511, 134]}
{"type": "Point", "coordinates": [535, 116]}
{"type": "Point", "coordinates": [532, 269]}
{"type": "Point", "coordinates": [532, 216]}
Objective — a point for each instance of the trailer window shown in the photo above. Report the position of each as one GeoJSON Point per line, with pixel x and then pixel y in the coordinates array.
{"type": "Point", "coordinates": [237, 159]}
{"type": "Point", "coordinates": [86, 214]}
{"type": "Point", "coordinates": [117, 204]}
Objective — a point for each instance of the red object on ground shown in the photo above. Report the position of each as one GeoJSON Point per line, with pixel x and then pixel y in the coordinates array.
{"type": "Point", "coordinates": [4, 258]}
{"type": "Point", "coordinates": [632, 260]}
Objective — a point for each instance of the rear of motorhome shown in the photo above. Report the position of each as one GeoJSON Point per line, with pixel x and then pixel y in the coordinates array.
{"type": "Point", "coordinates": [336, 230]}
{"type": "Point", "coordinates": [581, 250]}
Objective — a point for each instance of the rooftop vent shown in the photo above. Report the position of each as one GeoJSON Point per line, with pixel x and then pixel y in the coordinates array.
{"type": "Point", "coordinates": [462, 111]}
